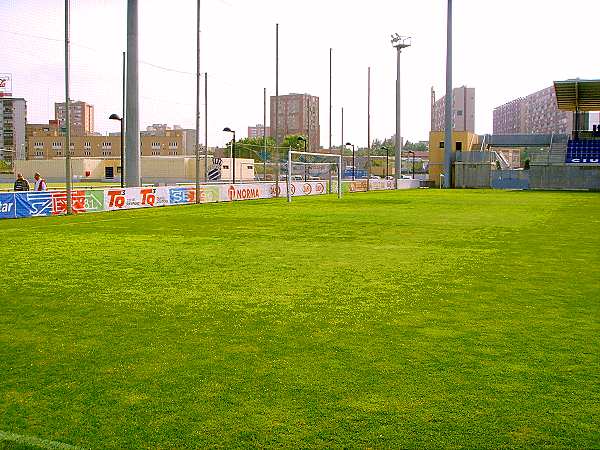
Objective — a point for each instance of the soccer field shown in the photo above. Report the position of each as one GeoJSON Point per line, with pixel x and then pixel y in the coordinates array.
{"type": "Point", "coordinates": [424, 318]}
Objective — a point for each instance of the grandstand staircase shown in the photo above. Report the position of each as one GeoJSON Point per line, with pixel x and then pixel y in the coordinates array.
{"type": "Point", "coordinates": [557, 153]}
{"type": "Point", "coordinates": [553, 155]}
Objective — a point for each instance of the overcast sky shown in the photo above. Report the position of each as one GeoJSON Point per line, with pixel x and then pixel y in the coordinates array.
{"type": "Point", "coordinates": [504, 49]}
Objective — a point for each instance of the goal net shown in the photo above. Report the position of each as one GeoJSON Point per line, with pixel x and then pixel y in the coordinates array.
{"type": "Point", "coordinates": [305, 167]}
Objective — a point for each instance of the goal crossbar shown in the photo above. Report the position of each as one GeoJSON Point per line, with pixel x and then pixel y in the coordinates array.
{"type": "Point", "coordinates": [337, 161]}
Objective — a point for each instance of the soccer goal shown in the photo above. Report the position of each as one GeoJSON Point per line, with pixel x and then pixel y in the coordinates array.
{"type": "Point", "coordinates": [307, 167]}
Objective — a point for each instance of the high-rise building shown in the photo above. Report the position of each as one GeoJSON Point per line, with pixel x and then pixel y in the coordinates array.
{"type": "Point", "coordinates": [13, 120]}
{"type": "Point", "coordinates": [258, 130]}
{"type": "Point", "coordinates": [82, 117]}
{"type": "Point", "coordinates": [537, 113]}
{"type": "Point", "coordinates": [463, 110]}
{"type": "Point", "coordinates": [298, 114]}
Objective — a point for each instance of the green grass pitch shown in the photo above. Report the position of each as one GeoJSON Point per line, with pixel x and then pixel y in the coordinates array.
{"type": "Point", "coordinates": [397, 319]}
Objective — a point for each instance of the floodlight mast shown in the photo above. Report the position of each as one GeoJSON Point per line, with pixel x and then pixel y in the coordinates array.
{"type": "Point", "coordinates": [399, 43]}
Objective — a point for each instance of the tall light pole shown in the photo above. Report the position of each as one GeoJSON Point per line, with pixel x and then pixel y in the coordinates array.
{"type": "Point", "coordinates": [120, 119]}
{"type": "Point", "coordinates": [330, 90]}
{"type": "Point", "coordinates": [264, 134]}
{"type": "Point", "coordinates": [399, 43]}
{"type": "Point", "coordinates": [68, 174]}
{"type": "Point", "coordinates": [448, 126]}
{"type": "Point", "coordinates": [368, 128]}
{"type": "Point", "coordinates": [276, 152]}
{"type": "Point", "coordinates": [353, 166]}
{"type": "Point", "coordinates": [197, 154]}
{"type": "Point", "coordinates": [123, 119]}
{"type": "Point", "coordinates": [342, 146]}
{"type": "Point", "coordinates": [132, 124]}
{"type": "Point", "coordinates": [229, 130]}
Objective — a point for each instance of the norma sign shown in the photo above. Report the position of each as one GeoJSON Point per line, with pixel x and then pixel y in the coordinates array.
{"type": "Point", "coordinates": [5, 84]}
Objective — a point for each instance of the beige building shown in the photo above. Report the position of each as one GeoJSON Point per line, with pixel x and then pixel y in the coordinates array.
{"type": "Point", "coordinates": [166, 169]}
{"type": "Point", "coordinates": [48, 142]}
{"type": "Point", "coordinates": [463, 110]}
{"type": "Point", "coordinates": [82, 117]}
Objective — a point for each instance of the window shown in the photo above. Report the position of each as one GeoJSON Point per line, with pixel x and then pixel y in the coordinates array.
{"type": "Point", "coordinates": [155, 145]}
{"type": "Point", "coordinates": [155, 152]}
{"type": "Point", "coordinates": [250, 167]}
{"type": "Point", "coordinates": [225, 167]}
{"type": "Point", "coordinates": [173, 153]}
{"type": "Point", "coordinates": [441, 145]}
{"type": "Point", "coordinates": [87, 145]}
{"type": "Point", "coordinates": [459, 113]}
{"type": "Point", "coordinates": [459, 146]}
{"type": "Point", "coordinates": [56, 145]}
{"type": "Point", "coordinates": [173, 145]}
{"type": "Point", "coordinates": [106, 146]}
{"type": "Point", "coordinates": [106, 153]}
{"type": "Point", "coordinates": [87, 152]}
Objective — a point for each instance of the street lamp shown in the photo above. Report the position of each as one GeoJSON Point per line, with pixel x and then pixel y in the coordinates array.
{"type": "Point", "coordinates": [387, 158]}
{"type": "Point", "coordinates": [229, 130]}
{"type": "Point", "coordinates": [413, 162]}
{"type": "Point", "coordinates": [399, 43]}
{"type": "Point", "coordinates": [120, 119]}
{"type": "Point", "coordinates": [303, 140]}
{"type": "Point", "coordinates": [353, 166]}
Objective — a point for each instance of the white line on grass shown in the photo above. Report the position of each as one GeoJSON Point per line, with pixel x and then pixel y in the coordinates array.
{"type": "Point", "coordinates": [31, 440]}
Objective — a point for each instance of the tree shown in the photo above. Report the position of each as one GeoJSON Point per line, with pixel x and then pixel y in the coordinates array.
{"type": "Point", "coordinates": [253, 148]}
{"type": "Point", "coordinates": [293, 141]}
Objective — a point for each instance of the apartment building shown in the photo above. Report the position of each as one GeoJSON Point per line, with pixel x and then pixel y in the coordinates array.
{"type": "Point", "coordinates": [536, 113]}
{"type": "Point", "coordinates": [463, 110]}
{"type": "Point", "coordinates": [13, 120]}
{"type": "Point", "coordinates": [298, 114]}
{"type": "Point", "coordinates": [49, 143]}
{"type": "Point", "coordinates": [82, 117]}
{"type": "Point", "coordinates": [258, 130]}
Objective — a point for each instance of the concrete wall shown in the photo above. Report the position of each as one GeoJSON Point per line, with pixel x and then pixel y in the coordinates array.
{"type": "Point", "coordinates": [537, 177]}
{"type": "Point", "coordinates": [471, 175]}
{"type": "Point", "coordinates": [564, 177]}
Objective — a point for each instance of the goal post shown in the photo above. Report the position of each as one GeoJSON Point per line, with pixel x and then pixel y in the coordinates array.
{"type": "Point", "coordinates": [311, 162]}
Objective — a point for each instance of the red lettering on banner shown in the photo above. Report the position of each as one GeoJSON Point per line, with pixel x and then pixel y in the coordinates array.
{"type": "Point", "coordinates": [116, 199]}
{"type": "Point", "coordinates": [275, 190]}
{"type": "Point", "coordinates": [307, 189]}
{"type": "Point", "coordinates": [3, 82]}
{"type": "Point", "coordinates": [231, 193]}
{"type": "Point", "coordinates": [320, 188]}
{"type": "Point", "coordinates": [148, 196]}
{"type": "Point", "coordinates": [234, 193]}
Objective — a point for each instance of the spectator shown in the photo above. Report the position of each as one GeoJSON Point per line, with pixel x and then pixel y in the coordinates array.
{"type": "Point", "coordinates": [21, 184]}
{"type": "Point", "coordinates": [40, 183]}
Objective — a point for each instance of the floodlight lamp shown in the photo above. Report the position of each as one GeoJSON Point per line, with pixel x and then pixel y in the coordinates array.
{"type": "Point", "coordinates": [228, 130]}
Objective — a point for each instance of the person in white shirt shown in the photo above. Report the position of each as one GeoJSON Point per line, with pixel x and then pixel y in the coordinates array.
{"type": "Point", "coordinates": [40, 183]}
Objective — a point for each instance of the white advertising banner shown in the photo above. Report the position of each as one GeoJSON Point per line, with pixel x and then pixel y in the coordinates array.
{"type": "Point", "coordinates": [131, 198]}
